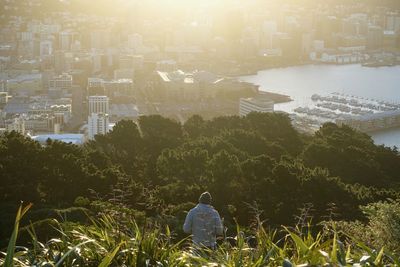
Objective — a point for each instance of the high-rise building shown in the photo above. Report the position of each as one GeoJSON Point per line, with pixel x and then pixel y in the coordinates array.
{"type": "Point", "coordinates": [59, 61]}
{"type": "Point", "coordinates": [98, 104]}
{"type": "Point", "coordinates": [135, 41]}
{"type": "Point", "coordinates": [3, 99]}
{"type": "Point", "coordinates": [3, 87]}
{"type": "Point", "coordinates": [63, 81]}
{"type": "Point", "coordinates": [374, 37]}
{"type": "Point", "coordinates": [78, 110]}
{"type": "Point", "coordinates": [98, 123]}
{"type": "Point", "coordinates": [17, 125]}
{"type": "Point", "coordinates": [119, 88]}
{"type": "Point", "coordinates": [60, 85]}
{"type": "Point", "coordinates": [100, 39]}
{"type": "Point", "coordinates": [46, 48]}
{"type": "Point", "coordinates": [65, 40]}
{"type": "Point", "coordinates": [392, 22]}
{"type": "Point", "coordinates": [98, 119]}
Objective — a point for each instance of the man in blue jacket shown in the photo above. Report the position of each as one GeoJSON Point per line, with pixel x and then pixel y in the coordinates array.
{"type": "Point", "coordinates": [204, 223]}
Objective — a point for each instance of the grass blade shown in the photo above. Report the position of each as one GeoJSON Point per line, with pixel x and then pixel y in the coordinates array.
{"type": "Point", "coordinates": [59, 263]}
{"type": "Point", "coordinates": [9, 260]}
{"type": "Point", "coordinates": [108, 259]}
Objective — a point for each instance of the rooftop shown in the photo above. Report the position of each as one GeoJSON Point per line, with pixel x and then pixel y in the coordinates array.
{"type": "Point", "coordinates": [77, 139]}
{"type": "Point", "coordinates": [188, 77]}
{"type": "Point", "coordinates": [26, 78]}
{"type": "Point", "coordinates": [259, 101]}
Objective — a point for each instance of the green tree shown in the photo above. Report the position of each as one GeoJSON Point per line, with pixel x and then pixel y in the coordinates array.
{"type": "Point", "coordinates": [226, 172]}
{"type": "Point", "coordinates": [21, 168]}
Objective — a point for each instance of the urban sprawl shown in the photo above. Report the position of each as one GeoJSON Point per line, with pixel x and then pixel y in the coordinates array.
{"type": "Point", "coordinates": [71, 74]}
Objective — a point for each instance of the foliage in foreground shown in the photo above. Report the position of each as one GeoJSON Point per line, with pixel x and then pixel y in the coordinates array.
{"type": "Point", "coordinates": [383, 227]}
{"type": "Point", "coordinates": [106, 242]}
{"type": "Point", "coordinates": [258, 159]}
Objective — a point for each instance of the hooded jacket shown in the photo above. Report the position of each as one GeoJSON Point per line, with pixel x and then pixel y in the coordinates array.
{"type": "Point", "coordinates": [204, 223]}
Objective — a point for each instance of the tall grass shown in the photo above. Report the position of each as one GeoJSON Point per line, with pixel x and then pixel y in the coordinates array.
{"type": "Point", "coordinates": [105, 242]}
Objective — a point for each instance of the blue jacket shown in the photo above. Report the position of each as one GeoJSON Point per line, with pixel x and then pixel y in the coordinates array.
{"type": "Point", "coordinates": [204, 223]}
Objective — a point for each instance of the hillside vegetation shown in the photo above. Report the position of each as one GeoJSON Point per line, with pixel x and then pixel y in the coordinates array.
{"type": "Point", "coordinates": [258, 169]}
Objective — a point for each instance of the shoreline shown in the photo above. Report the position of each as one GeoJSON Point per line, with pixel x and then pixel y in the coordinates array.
{"type": "Point", "coordinates": [387, 136]}
{"type": "Point", "coordinates": [251, 72]}
{"type": "Point", "coordinates": [277, 97]}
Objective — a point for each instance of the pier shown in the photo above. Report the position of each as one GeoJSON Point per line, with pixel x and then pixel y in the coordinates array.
{"type": "Point", "coordinates": [373, 122]}
{"type": "Point", "coordinates": [366, 115]}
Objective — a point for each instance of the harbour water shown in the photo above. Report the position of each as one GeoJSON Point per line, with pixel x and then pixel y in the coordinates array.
{"type": "Point", "coordinates": [301, 82]}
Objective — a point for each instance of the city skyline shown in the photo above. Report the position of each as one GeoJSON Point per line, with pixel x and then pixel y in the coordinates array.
{"type": "Point", "coordinates": [173, 58]}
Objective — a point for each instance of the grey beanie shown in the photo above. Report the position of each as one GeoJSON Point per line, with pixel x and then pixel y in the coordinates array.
{"type": "Point", "coordinates": [205, 198]}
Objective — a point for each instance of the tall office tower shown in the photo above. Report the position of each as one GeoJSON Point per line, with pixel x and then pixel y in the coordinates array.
{"type": "Point", "coordinates": [59, 61]}
{"type": "Point", "coordinates": [392, 22]}
{"type": "Point", "coordinates": [374, 37]}
{"type": "Point", "coordinates": [97, 124]}
{"type": "Point", "coordinates": [79, 111]}
{"type": "Point", "coordinates": [135, 41]}
{"type": "Point", "coordinates": [65, 40]}
{"type": "Point", "coordinates": [46, 48]}
{"type": "Point", "coordinates": [98, 104]}
{"type": "Point", "coordinates": [100, 39]}
{"type": "Point", "coordinates": [98, 120]}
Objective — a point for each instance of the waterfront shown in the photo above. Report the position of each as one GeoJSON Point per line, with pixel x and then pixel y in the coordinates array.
{"type": "Point", "coordinates": [302, 82]}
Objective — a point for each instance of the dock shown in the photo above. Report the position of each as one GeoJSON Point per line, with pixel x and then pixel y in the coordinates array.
{"type": "Point", "coordinates": [363, 114]}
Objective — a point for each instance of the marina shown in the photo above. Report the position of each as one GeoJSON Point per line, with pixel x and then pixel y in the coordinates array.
{"type": "Point", "coordinates": [370, 90]}
{"type": "Point", "coordinates": [363, 114]}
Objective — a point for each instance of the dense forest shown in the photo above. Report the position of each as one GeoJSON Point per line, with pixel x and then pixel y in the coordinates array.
{"type": "Point", "coordinates": [156, 168]}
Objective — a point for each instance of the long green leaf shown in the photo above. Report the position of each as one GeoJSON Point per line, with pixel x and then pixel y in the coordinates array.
{"type": "Point", "coordinates": [334, 249]}
{"type": "Point", "coordinates": [9, 260]}
{"type": "Point", "coordinates": [108, 259]}
{"type": "Point", "coordinates": [300, 244]}
{"type": "Point", "coordinates": [378, 259]}
{"type": "Point", "coordinates": [60, 262]}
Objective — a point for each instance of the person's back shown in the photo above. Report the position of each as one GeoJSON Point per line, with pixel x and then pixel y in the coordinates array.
{"type": "Point", "coordinates": [204, 223]}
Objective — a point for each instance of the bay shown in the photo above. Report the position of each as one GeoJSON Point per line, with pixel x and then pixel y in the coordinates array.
{"type": "Point", "coordinates": [300, 82]}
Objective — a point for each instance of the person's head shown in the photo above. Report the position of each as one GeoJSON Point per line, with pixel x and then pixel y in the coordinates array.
{"type": "Point", "coordinates": [205, 198]}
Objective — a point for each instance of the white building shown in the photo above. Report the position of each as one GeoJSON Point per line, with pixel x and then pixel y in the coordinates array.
{"type": "Point", "coordinates": [3, 98]}
{"type": "Point", "coordinates": [98, 123]}
{"type": "Point", "coordinates": [63, 81]}
{"type": "Point", "coordinates": [256, 104]}
{"type": "Point", "coordinates": [17, 125]}
{"type": "Point", "coordinates": [98, 104]}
